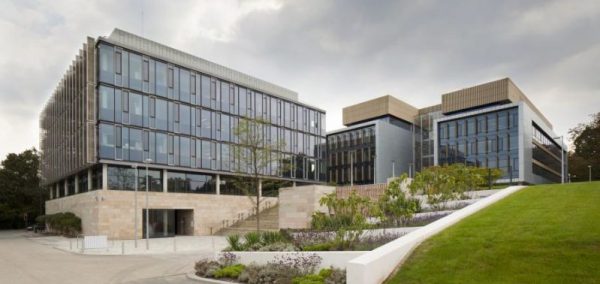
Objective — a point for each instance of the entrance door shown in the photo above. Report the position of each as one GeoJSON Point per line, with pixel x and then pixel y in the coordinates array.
{"type": "Point", "coordinates": [184, 219]}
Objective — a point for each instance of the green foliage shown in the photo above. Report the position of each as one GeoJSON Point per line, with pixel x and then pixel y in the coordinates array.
{"type": "Point", "coordinates": [268, 237]}
{"type": "Point", "coordinates": [21, 197]}
{"type": "Point", "coordinates": [444, 183]}
{"type": "Point", "coordinates": [394, 207]}
{"type": "Point", "coordinates": [309, 279]}
{"type": "Point", "coordinates": [63, 223]}
{"type": "Point", "coordinates": [348, 213]}
{"type": "Point", "coordinates": [586, 140]}
{"type": "Point", "coordinates": [234, 242]}
{"type": "Point", "coordinates": [207, 268]}
{"type": "Point", "coordinates": [232, 271]}
{"type": "Point", "coordinates": [278, 246]}
{"type": "Point", "coordinates": [326, 246]}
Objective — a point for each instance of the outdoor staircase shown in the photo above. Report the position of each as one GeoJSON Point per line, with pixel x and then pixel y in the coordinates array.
{"type": "Point", "coordinates": [269, 221]}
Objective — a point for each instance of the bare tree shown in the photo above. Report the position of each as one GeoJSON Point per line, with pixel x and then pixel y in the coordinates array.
{"type": "Point", "coordinates": [255, 158]}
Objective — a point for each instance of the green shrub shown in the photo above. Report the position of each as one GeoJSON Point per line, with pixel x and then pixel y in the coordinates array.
{"type": "Point", "coordinates": [309, 279]}
{"type": "Point", "coordinates": [268, 238]}
{"type": "Point", "coordinates": [206, 268]}
{"type": "Point", "coordinates": [234, 243]}
{"type": "Point", "coordinates": [325, 272]}
{"type": "Point", "coordinates": [252, 240]}
{"type": "Point", "coordinates": [319, 247]}
{"type": "Point", "coordinates": [232, 271]}
{"type": "Point", "coordinates": [63, 223]}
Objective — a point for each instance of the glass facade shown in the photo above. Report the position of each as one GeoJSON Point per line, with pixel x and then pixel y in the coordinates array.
{"type": "Point", "coordinates": [546, 155]}
{"type": "Point", "coordinates": [425, 139]}
{"type": "Point", "coordinates": [149, 109]}
{"type": "Point", "coordinates": [352, 150]}
{"type": "Point", "coordinates": [484, 140]}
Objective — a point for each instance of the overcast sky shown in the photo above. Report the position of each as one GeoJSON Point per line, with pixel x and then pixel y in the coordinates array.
{"type": "Point", "coordinates": [333, 53]}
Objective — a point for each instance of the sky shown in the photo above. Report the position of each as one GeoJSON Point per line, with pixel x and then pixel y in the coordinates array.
{"type": "Point", "coordinates": [333, 53]}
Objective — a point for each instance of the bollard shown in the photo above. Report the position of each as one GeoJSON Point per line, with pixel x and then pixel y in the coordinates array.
{"type": "Point", "coordinates": [122, 247]}
{"type": "Point", "coordinates": [174, 244]}
{"type": "Point", "coordinates": [211, 231]}
{"type": "Point", "coordinates": [70, 244]}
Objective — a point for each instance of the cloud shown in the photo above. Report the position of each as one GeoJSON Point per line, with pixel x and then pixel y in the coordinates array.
{"type": "Point", "coordinates": [333, 53]}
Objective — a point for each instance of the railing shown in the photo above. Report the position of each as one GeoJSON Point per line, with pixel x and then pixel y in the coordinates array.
{"type": "Point", "coordinates": [228, 223]}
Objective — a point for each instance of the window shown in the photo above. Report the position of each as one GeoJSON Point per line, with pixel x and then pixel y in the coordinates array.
{"type": "Point", "coordinates": [190, 183]}
{"type": "Point", "coordinates": [161, 148]}
{"type": "Point", "coordinates": [107, 103]}
{"type": "Point", "coordinates": [184, 119]}
{"type": "Point", "coordinates": [107, 141]}
{"type": "Point", "coordinates": [491, 123]}
{"type": "Point", "coordinates": [225, 157]}
{"type": "Point", "coordinates": [136, 147]}
{"type": "Point", "coordinates": [224, 96]}
{"type": "Point", "coordinates": [184, 149]}
{"type": "Point", "coordinates": [146, 71]}
{"type": "Point", "coordinates": [136, 109]}
{"type": "Point", "coordinates": [205, 123]}
{"type": "Point", "coordinates": [184, 85]}
{"type": "Point", "coordinates": [135, 71]}
{"type": "Point", "coordinates": [121, 178]}
{"type": "Point", "coordinates": [105, 61]}
{"type": "Point", "coordinates": [154, 179]}
{"type": "Point", "coordinates": [161, 114]}
{"type": "Point", "coordinates": [170, 77]}
{"type": "Point", "coordinates": [161, 79]}
{"type": "Point", "coordinates": [206, 155]}
{"type": "Point", "coordinates": [205, 88]}
{"type": "Point", "coordinates": [242, 99]}
{"type": "Point", "coordinates": [225, 128]}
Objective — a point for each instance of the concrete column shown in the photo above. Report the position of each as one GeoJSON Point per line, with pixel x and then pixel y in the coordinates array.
{"type": "Point", "coordinates": [218, 184]}
{"type": "Point", "coordinates": [66, 187]}
{"type": "Point", "coordinates": [165, 179]}
{"type": "Point", "coordinates": [293, 183]}
{"type": "Point", "coordinates": [260, 188]}
{"type": "Point", "coordinates": [76, 184]}
{"type": "Point", "coordinates": [104, 177]}
{"type": "Point", "coordinates": [166, 220]}
{"type": "Point", "coordinates": [89, 174]}
{"type": "Point", "coordinates": [51, 189]}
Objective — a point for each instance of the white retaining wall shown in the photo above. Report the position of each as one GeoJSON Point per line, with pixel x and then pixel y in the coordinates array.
{"type": "Point", "coordinates": [337, 259]}
{"type": "Point", "coordinates": [375, 266]}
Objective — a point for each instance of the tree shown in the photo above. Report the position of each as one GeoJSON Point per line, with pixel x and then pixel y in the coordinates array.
{"type": "Point", "coordinates": [394, 206]}
{"type": "Point", "coordinates": [586, 140]}
{"type": "Point", "coordinates": [20, 191]}
{"type": "Point", "coordinates": [253, 158]}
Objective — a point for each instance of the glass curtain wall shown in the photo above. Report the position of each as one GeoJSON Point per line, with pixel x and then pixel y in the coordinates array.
{"type": "Point", "coordinates": [488, 140]}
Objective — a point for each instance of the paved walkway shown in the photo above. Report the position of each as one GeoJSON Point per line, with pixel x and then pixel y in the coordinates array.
{"type": "Point", "coordinates": [23, 260]}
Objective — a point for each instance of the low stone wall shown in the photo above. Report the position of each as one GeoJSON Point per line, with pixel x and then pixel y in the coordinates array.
{"type": "Point", "coordinates": [297, 204]}
{"type": "Point", "coordinates": [111, 212]}
{"type": "Point", "coordinates": [372, 191]}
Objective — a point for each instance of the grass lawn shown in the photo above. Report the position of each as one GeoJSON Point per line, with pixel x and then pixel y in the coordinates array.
{"type": "Point", "coordinates": [541, 234]}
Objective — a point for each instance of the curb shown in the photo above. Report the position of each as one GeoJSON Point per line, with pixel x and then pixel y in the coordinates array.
{"type": "Point", "coordinates": [193, 276]}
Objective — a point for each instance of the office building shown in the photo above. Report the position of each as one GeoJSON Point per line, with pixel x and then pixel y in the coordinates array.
{"type": "Point", "coordinates": [492, 125]}
{"type": "Point", "coordinates": [127, 103]}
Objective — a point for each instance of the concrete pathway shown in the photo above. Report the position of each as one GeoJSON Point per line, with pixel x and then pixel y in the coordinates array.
{"type": "Point", "coordinates": [23, 260]}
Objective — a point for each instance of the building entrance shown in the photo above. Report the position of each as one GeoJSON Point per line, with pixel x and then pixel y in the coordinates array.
{"type": "Point", "coordinates": [164, 223]}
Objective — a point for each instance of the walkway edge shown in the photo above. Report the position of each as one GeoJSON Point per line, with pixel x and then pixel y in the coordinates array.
{"type": "Point", "coordinates": [375, 266]}
{"type": "Point", "coordinates": [193, 276]}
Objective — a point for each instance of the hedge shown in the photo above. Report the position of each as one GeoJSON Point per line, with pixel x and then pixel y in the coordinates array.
{"type": "Point", "coordinates": [65, 223]}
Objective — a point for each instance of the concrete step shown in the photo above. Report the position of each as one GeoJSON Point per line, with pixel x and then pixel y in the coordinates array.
{"type": "Point", "coordinates": [269, 221]}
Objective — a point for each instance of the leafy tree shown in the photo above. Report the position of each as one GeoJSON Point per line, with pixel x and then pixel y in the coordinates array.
{"type": "Point", "coordinates": [586, 140]}
{"type": "Point", "coordinates": [253, 158]}
{"type": "Point", "coordinates": [20, 191]}
{"type": "Point", "coordinates": [444, 183]}
{"type": "Point", "coordinates": [347, 216]}
{"type": "Point", "coordinates": [394, 207]}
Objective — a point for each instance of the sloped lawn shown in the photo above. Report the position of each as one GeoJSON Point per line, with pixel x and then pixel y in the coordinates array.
{"type": "Point", "coordinates": [542, 234]}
